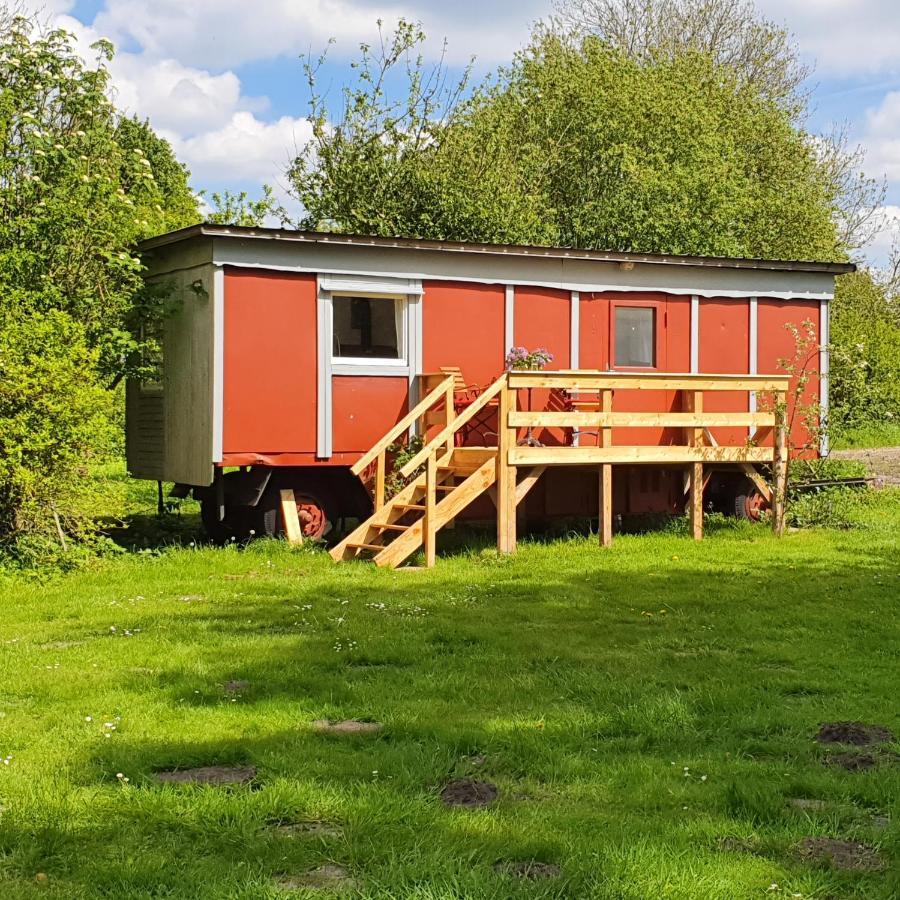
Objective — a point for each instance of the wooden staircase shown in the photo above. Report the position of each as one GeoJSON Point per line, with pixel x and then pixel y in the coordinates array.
{"type": "Point", "coordinates": [409, 520]}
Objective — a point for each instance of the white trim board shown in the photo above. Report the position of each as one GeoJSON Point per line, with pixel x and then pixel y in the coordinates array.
{"type": "Point", "coordinates": [753, 350]}
{"type": "Point", "coordinates": [218, 364]}
{"type": "Point", "coordinates": [695, 333]}
{"type": "Point", "coordinates": [509, 319]}
{"type": "Point", "coordinates": [357, 264]}
{"type": "Point", "coordinates": [824, 366]}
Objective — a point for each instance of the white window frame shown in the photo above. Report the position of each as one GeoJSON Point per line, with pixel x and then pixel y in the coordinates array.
{"type": "Point", "coordinates": [367, 365]}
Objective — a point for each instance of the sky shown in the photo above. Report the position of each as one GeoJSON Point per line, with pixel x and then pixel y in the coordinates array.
{"type": "Point", "coordinates": [223, 80]}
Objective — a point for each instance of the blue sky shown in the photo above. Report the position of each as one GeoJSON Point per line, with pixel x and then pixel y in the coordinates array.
{"type": "Point", "coordinates": [223, 81]}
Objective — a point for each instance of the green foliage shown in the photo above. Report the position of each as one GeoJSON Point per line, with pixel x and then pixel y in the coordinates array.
{"type": "Point", "coordinates": [78, 187]}
{"type": "Point", "coordinates": [826, 469]}
{"type": "Point", "coordinates": [865, 357]}
{"type": "Point", "coordinates": [575, 144]}
{"type": "Point", "coordinates": [836, 507]}
{"type": "Point", "coordinates": [53, 422]}
{"type": "Point", "coordinates": [241, 209]}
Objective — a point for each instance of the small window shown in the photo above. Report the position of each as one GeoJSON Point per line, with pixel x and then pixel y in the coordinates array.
{"type": "Point", "coordinates": [636, 337]}
{"type": "Point", "coordinates": [368, 328]}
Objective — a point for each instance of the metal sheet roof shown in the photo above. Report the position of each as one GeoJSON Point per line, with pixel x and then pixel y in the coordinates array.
{"type": "Point", "coordinates": [467, 247]}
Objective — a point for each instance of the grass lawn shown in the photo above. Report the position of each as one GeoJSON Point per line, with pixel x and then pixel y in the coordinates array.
{"type": "Point", "coordinates": [886, 434]}
{"type": "Point", "coordinates": [647, 714]}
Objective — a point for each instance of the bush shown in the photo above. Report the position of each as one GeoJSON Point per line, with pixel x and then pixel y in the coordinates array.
{"type": "Point", "coordinates": [55, 419]}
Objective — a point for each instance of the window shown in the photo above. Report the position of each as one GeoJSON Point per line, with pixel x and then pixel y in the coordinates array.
{"type": "Point", "coordinates": [635, 337]}
{"type": "Point", "coordinates": [369, 328]}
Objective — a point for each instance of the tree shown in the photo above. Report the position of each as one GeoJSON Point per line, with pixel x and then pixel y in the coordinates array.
{"type": "Point", "coordinates": [761, 54]}
{"type": "Point", "coordinates": [77, 191]}
{"type": "Point", "coordinates": [730, 32]}
{"type": "Point", "coordinates": [576, 144]}
{"type": "Point", "coordinates": [240, 209]}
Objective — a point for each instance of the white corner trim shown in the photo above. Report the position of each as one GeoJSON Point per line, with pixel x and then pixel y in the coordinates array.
{"type": "Point", "coordinates": [575, 331]}
{"type": "Point", "coordinates": [509, 320]}
{"type": "Point", "coordinates": [324, 400]}
{"type": "Point", "coordinates": [695, 333]}
{"type": "Point", "coordinates": [218, 364]}
{"type": "Point", "coordinates": [824, 366]}
{"type": "Point", "coordinates": [753, 350]}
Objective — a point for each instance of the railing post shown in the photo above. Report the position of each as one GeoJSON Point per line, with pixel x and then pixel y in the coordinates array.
{"type": "Point", "coordinates": [430, 522]}
{"type": "Point", "coordinates": [506, 474]}
{"type": "Point", "coordinates": [779, 495]}
{"type": "Point", "coordinates": [695, 501]}
{"type": "Point", "coordinates": [380, 464]}
{"type": "Point", "coordinates": [606, 482]}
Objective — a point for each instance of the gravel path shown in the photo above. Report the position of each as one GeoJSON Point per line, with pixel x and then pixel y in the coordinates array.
{"type": "Point", "coordinates": [883, 462]}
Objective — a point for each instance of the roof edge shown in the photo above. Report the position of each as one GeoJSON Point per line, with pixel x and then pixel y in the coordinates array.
{"type": "Point", "coordinates": [614, 256]}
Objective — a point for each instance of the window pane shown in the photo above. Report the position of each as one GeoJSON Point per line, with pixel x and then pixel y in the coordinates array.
{"type": "Point", "coordinates": [636, 336]}
{"type": "Point", "coordinates": [368, 327]}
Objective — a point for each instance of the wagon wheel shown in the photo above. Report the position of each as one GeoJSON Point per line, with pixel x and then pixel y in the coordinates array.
{"type": "Point", "coordinates": [750, 505]}
{"type": "Point", "coordinates": [313, 510]}
{"type": "Point", "coordinates": [314, 523]}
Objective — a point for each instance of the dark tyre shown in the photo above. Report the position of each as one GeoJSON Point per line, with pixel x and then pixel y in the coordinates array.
{"type": "Point", "coordinates": [749, 506]}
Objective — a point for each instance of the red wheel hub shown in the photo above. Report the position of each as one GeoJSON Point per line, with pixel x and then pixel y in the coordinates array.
{"type": "Point", "coordinates": [313, 519]}
{"type": "Point", "coordinates": [754, 504]}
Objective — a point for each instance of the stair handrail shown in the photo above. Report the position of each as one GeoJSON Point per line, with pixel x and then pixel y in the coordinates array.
{"type": "Point", "coordinates": [444, 391]}
{"type": "Point", "coordinates": [453, 425]}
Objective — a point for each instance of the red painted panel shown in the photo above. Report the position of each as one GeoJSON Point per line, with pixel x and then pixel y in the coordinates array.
{"type": "Point", "coordinates": [365, 407]}
{"type": "Point", "coordinates": [725, 349]}
{"type": "Point", "coordinates": [270, 362]}
{"type": "Point", "coordinates": [776, 343]}
{"type": "Point", "coordinates": [593, 324]}
{"type": "Point", "coordinates": [542, 320]}
{"type": "Point", "coordinates": [463, 325]}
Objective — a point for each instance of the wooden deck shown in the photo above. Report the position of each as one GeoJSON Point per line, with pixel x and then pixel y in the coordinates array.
{"type": "Point", "coordinates": [509, 468]}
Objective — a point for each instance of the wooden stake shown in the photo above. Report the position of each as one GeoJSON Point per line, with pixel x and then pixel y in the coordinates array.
{"type": "Point", "coordinates": [430, 535]}
{"type": "Point", "coordinates": [292, 530]}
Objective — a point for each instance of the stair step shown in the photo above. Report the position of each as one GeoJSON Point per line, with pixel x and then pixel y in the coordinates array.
{"type": "Point", "coordinates": [378, 547]}
{"type": "Point", "coordinates": [446, 487]}
{"type": "Point", "coordinates": [390, 527]}
{"type": "Point", "coordinates": [409, 506]}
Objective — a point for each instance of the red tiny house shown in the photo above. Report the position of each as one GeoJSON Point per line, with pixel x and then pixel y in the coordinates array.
{"type": "Point", "coordinates": [317, 345]}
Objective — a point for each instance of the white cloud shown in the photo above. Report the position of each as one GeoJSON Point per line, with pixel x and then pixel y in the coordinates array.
{"type": "Point", "coordinates": [882, 137]}
{"type": "Point", "coordinates": [244, 149]}
{"type": "Point", "coordinates": [887, 238]}
{"type": "Point", "coordinates": [845, 37]}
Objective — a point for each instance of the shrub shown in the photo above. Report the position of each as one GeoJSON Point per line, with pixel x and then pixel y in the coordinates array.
{"type": "Point", "coordinates": [55, 418]}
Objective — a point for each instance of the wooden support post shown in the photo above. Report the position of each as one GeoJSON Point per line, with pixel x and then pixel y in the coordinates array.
{"type": "Point", "coordinates": [450, 414]}
{"type": "Point", "coordinates": [695, 498]}
{"type": "Point", "coordinates": [430, 533]}
{"type": "Point", "coordinates": [506, 475]}
{"type": "Point", "coordinates": [779, 497]}
{"type": "Point", "coordinates": [695, 502]}
{"type": "Point", "coordinates": [292, 530]}
{"type": "Point", "coordinates": [606, 482]}
{"type": "Point", "coordinates": [379, 481]}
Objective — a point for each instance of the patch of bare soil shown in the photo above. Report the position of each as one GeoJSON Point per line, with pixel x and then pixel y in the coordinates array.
{"type": "Point", "coordinates": [529, 870]}
{"type": "Point", "coordinates": [841, 854]}
{"type": "Point", "coordinates": [468, 793]}
{"type": "Point", "coordinates": [739, 844]}
{"type": "Point", "coordinates": [882, 463]}
{"type": "Point", "coordinates": [807, 804]}
{"type": "Point", "coordinates": [325, 878]}
{"type": "Point", "coordinates": [236, 687]}
{"type": "Point", "coordinates": [856, 733]}
{"type": "Point", "coordinates": [346, 726]}
{"type": "Point", "coordinates": [214, 775]}
{"type": "Point", "coordinates": [314, 828]}
{"type": "Point", "coordinates": [852, 762]}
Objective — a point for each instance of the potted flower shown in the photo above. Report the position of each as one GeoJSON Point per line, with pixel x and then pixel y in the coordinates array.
{"type": "Point", "coordinates": [521, 359]}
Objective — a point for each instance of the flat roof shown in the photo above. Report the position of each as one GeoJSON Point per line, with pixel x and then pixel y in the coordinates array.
{"type": "Point", "coordinates": [466, 247]}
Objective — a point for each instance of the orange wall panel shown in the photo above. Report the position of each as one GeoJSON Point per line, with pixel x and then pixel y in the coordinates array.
{"type": "Point", "coordinates": [777, 343]}
{"type": "Point", "coordinates": [463, 325]}
{"type": "Point", "coordinates": [365, 407]}
{"type": "Point", "coordinates": [270, 362]}
{"type": "Point", "coordinates": [593, 348]}
{"type": "Point", "coordinates": [542, 320]}
{"type": "Point", "coordinates": [725, 349]}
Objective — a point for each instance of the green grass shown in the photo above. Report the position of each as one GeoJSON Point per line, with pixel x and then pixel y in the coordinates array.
{"type": "Point", "coordinates": [635, 707]}
{"type": "Point", "coordinates": [883, 435]}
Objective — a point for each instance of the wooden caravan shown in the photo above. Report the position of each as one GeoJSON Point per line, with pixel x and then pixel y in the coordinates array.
{"type": "Point", "coordinates": [297, 362]}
